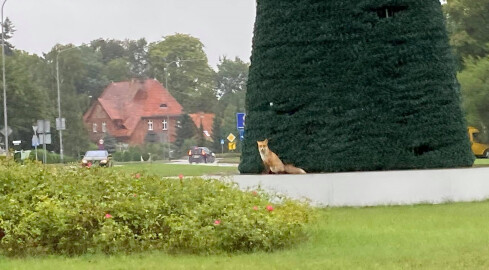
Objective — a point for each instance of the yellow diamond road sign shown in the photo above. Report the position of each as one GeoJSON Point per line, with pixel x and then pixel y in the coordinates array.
{"type": "Point", "coordinates": [231, 137]}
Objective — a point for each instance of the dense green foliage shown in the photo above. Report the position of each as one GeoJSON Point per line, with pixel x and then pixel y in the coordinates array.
{"type": "Point", "coordinates": [71, 210]}
{"type": "Point", "coordinates": [447, 236]}
{"type": "Point", "coordinates": [474, 79]}
{"type": "Point", "coordinates": [469, 39]}
{"type": "Point", "coordinates": [231, 79]}
{"type": "Point", "coordinates": [190, 79]}
{"type": "Point", "coordinates": [51, 158]}
{"type": "Point", "coordinates": [354, 85]}
{"type": "Point", "coordinates": [466, 20]}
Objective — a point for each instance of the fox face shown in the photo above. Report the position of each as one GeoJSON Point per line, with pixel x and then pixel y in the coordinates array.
{"type": "Point", "coordinates": [263, 147]}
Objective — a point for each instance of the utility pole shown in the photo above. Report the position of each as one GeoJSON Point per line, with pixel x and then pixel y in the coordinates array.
{"type": "Point", "coordinates": [60, 124]}
{"type": "Point", "coordinates": [168, 89]}
{"type": "Point", "coordinates": [4, 86]}
{"type": "Point", "coordinates": [61, 157]}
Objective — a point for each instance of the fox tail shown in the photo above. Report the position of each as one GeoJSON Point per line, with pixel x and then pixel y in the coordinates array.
{"type": "Point", "coordinates": [293, 170]}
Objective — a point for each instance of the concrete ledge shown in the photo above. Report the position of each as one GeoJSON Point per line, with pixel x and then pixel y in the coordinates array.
{"type": "Point", "coordinates": [377, 188]}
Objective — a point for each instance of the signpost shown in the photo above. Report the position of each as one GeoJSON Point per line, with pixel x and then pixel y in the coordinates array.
{"type": "Point", "coordinates": [232, 143]}
{"type": "Point", "coordinates": [35, 139]}
{"type": "Point", "coordinates": [9, 131]}
{"type": "Point", "coordinates": [222, 146]}
{"type": "Point", "coordinates": [240, 124]}
{"type": "Point", "coordinates": [240, 120]}
{"type": "Point", "coordinates": [60, 125]}
{"type": "Point", "coordinates": [44, 129]}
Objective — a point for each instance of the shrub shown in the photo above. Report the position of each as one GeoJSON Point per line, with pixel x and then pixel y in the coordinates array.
{"type": "Point", "coordinates": [71, 210]}
{"type": "Point", "coordinates": [118, 156]}
{"type": "Point", "coordinates": [186, 145]}
{"type": "Point", "coordinates": [51, 158]}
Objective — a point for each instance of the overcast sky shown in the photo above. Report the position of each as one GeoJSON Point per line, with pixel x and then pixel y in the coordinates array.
{"type": "Point", "coordinates": [225, 27]}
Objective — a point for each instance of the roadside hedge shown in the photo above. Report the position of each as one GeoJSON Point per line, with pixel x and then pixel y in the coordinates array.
{"type": "Point", "coordinates": [70, 211]}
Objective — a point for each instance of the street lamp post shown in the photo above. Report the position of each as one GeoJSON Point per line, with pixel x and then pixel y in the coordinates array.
{"type": "Point", "coordinates": [61, 152]}
{"type": "Point", "coordinates": [167, 88]}
{"type": "Point", "coordinates": [4, 86]}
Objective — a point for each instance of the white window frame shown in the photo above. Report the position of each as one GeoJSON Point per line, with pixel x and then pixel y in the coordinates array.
{"type": "Point", "coordinates": [94, 127]}
{"type": "Point", "coordinates": [104, 127]}
{"type": "Point", "coordinates": [165, 124]}
{"type": "Point", "coordinates": [150, 124]}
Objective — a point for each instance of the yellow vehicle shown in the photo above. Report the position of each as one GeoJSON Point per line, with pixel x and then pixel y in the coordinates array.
{"type": "Point", "coordinates": [479, 148]}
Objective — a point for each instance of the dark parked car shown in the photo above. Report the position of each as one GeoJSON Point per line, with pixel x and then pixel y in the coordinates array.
{"type": "Point", "coordinates": [97, 157]}
{"type": "Point", "coordinates": [201, 154]}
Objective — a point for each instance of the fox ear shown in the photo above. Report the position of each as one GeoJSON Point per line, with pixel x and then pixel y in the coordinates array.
{"type": "Point", "coordinates": [265, 141]}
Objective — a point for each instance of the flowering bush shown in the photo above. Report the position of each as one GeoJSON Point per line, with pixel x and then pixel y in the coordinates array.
{"type": "Point", "coordinates": [69, 210]}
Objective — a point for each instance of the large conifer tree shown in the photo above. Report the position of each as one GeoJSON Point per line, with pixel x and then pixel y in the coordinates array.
{"type": "Point", "coordinates": [344, 85]}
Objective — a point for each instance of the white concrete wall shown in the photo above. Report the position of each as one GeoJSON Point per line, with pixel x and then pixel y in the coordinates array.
{"type": "Point", "coordinates": [377, 188]}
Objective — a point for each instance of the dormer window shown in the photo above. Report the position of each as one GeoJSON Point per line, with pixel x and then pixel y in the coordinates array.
{"type": "Point", "coordinates": [165, 125]}
{"type": "Point", "coordinates": [163, 105]}
{"type": "Point", "coordinates": [150, 124]}
{"type": "Point", "coordinates": [94, 127]}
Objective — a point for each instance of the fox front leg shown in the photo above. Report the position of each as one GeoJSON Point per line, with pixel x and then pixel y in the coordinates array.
{"type": "Point", "coordinates": [266, 170]}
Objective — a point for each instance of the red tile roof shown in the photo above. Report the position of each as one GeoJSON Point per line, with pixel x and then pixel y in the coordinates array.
{"type": "Point", "coordinates": [207, 121]}
{"type": "Point", "coordinates": [129, 101]}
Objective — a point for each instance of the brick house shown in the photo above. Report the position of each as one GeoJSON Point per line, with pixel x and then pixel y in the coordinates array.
{"type": "Point", "coordinates": [134, 112]}
{"type": "Point", "coordinates": [207, 119]}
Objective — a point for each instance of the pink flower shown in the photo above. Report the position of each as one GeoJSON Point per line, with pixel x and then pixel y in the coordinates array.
{"type": "Point", "coordinates": [254, 193]}
{"type": "Point", "coordinates": [134, 195]}
{"type": "Point", "coordinates": [217, 222]}
{"type": "Point", "coordinates": [137, 175]}
{"type": "Point", "coordinates": [255, 208]}
{"type": "Point", "coordinates": [269, 208]}
{"type": "Point", "coordinates": [180, 176]}
{"type": "Point", "coordinates": [108, 215]}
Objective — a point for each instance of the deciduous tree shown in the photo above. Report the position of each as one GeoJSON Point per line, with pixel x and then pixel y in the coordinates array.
{"type": "Point", "coordinates": [190, 78]}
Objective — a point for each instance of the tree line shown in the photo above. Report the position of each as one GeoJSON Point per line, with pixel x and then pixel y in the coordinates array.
{"type": "Point", "coordinates": [86, 70]}
{"type": "Point", "coordinates": [467, 22]}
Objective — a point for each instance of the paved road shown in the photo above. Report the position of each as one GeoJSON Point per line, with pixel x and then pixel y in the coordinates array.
{"type": "Point", "coordinates": [217, 163]}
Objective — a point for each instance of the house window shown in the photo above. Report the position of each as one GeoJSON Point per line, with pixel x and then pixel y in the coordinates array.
{"type": "Point", "coordinates": [94, 127]}
{"type": "Point", "coordinates": [165, 127]}
{"type": "Point", "coordinates": [150, 124]}
{"type": "Point", "coordinates": [104, 127]}
{"type": "Point", "coordinates": [163, 105]}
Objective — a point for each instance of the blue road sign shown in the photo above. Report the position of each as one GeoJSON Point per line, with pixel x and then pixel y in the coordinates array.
{"type": "Point", "coordinates": [240, 120]}
{"type": "Point", "coordinates": [241, 134]}
{"type": "Point", "coordinates": [222, 141]}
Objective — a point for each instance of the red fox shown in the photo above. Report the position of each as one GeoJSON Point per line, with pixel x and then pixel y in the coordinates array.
{"type": "Point", "coordinates": [273, 163]}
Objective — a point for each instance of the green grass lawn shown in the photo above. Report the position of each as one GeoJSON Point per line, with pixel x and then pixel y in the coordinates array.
{"type": "Point", "coordinates": [229, 157]}
{"type": "Point", "coordinates": [173, 170]}
{"type": "Point", "coordinates": [450, 236]}
{"type": "Point", "coordinates": [481, 162]}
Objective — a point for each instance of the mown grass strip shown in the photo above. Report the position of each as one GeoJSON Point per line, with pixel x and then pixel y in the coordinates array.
{"type": "Point", "coordinates": [450, 236]}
